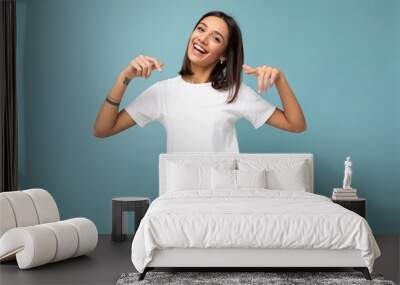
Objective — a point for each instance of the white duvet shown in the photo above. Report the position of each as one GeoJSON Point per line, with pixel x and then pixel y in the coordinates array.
{"type": "Point", "coordinates": [250, 218]}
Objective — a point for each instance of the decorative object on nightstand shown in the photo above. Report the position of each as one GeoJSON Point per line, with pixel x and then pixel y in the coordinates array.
{"type": "Point", "coordinates": [347, 173]}
{"type": "Point", "coordinates": [120, 207]}
{"type": "Point", "coordinates": [356, 205]}
{"type": "Point", "coordinates": [345, 193]}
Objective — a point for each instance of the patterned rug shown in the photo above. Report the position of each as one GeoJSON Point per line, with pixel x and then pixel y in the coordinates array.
{"type": "Point", "coordinates": [230, 278]}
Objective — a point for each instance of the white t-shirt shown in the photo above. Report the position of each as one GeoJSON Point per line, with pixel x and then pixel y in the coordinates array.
{"type": "Point", "coordinates": [195, 115]}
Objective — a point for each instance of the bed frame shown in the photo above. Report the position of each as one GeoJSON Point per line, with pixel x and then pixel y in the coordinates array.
{"type": "Point", "coordinates": [250, 258]}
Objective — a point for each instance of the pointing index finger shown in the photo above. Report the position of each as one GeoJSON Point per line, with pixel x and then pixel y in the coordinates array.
{"type": "Point", "coordinates": [156, 62]}
{"type": "Point", "coordinates": [249, 69]}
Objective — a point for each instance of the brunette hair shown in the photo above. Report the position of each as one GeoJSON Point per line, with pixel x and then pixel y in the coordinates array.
{"type": "Point", "coordinates": [228, 74]}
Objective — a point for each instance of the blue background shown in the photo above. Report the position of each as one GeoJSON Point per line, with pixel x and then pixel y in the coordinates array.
{"type": "Point", "coordinates": [341, 58]}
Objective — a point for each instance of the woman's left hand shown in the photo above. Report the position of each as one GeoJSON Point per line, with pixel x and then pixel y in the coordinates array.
{"type": "Point", "coordinates": [265, 74]}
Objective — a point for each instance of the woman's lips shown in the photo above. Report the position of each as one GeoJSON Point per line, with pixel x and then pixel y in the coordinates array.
{"type": "Point", "coordinates": [197, 53]}
{"type": "Point", "coordinates": [199, 47]}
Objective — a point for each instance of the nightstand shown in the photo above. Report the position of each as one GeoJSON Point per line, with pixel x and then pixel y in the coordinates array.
{"type": "Point", "coordinates": [357, 206]}
{"type": "Point", "coordinates": [120, 207]}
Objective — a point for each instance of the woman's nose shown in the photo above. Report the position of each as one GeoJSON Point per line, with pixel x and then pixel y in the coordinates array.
{"type": "Point", "coordinates": [204, 39]}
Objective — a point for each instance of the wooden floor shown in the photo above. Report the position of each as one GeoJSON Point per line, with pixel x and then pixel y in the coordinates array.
{"type": "Point", "coordinates": [110, 259]}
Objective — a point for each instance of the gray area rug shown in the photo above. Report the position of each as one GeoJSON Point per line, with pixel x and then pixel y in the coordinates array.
{"type": "Point", "coordinates": [225, 278]}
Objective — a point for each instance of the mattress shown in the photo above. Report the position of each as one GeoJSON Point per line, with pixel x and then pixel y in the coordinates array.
{"type": "Point", "coordinates": [250, 218]}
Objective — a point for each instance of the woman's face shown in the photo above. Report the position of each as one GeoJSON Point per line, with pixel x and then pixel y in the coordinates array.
{"type": "Point", "coordinates": [211, 34]}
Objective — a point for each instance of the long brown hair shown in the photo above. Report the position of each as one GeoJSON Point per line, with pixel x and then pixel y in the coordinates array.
{"type": "Point", "coordinates": [227, 74]}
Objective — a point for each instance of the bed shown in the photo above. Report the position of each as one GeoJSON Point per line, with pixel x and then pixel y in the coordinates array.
{"type": "Point", "coordinates": [247, 210]}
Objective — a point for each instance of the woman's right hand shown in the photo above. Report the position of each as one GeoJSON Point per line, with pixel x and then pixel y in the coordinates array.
{"type": "Point", "coordinates": [142, 66]}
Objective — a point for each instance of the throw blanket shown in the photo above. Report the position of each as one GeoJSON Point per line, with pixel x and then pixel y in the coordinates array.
{"type": "Point", "coordinates": [256, 218]}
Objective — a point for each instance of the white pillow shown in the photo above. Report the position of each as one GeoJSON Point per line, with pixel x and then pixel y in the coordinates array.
{"type": "Point", "coordinates": [290, 179]}
{"type": "Point", "coordinates": [237, 179]}
{"type": "Point", "coordinates": [189, 174]}
{"type": "Point", "coordinates": [281, 174]}
{"type": "Point", "coordinates": [223, 179]}
{"type": "Point", "coordinates": [251, 178]}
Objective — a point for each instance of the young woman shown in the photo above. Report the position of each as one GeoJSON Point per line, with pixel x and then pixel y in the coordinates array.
{"type": "Point", "coordinates": [200, 106]}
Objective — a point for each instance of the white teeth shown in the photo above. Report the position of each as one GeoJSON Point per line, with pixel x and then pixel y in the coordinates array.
{"type": "Point", "coordinates": [199, 48]}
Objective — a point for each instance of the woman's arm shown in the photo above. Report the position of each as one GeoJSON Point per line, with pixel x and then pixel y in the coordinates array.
{"type": "Point", "coordinates": [292, 118]}
{"type": "Point", "coordinates": [109, 121]}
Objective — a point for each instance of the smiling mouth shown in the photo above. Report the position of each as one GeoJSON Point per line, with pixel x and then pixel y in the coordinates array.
{"type": "Point", "coordinates": [199, 49]}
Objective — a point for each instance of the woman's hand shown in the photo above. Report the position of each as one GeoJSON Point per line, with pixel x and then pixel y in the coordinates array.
{"type": "Point", "coordinates": [142, 66]}
{"type": "Point", "coordinates": [265, 74]}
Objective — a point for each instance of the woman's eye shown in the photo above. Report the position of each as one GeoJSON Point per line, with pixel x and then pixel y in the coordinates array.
{"type": "Point", "coordinates": [216, 38]}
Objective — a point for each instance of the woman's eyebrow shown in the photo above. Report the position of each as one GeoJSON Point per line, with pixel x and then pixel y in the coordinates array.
{"type": "Point", "coordinates": [214, 30]}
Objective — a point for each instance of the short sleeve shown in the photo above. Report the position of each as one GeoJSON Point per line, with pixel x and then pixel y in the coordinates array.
{"type": "Point", "coordinates": [256, 109]}
{"type": "Point", "coordinates": [146, 107]}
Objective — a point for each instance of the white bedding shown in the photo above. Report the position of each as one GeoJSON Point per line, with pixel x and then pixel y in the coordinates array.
{"type": "Point", "coordinates": [250, 218]}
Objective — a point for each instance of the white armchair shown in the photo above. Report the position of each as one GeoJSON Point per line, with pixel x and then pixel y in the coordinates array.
{"type": "Point", "coordinates": [31, 231]}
